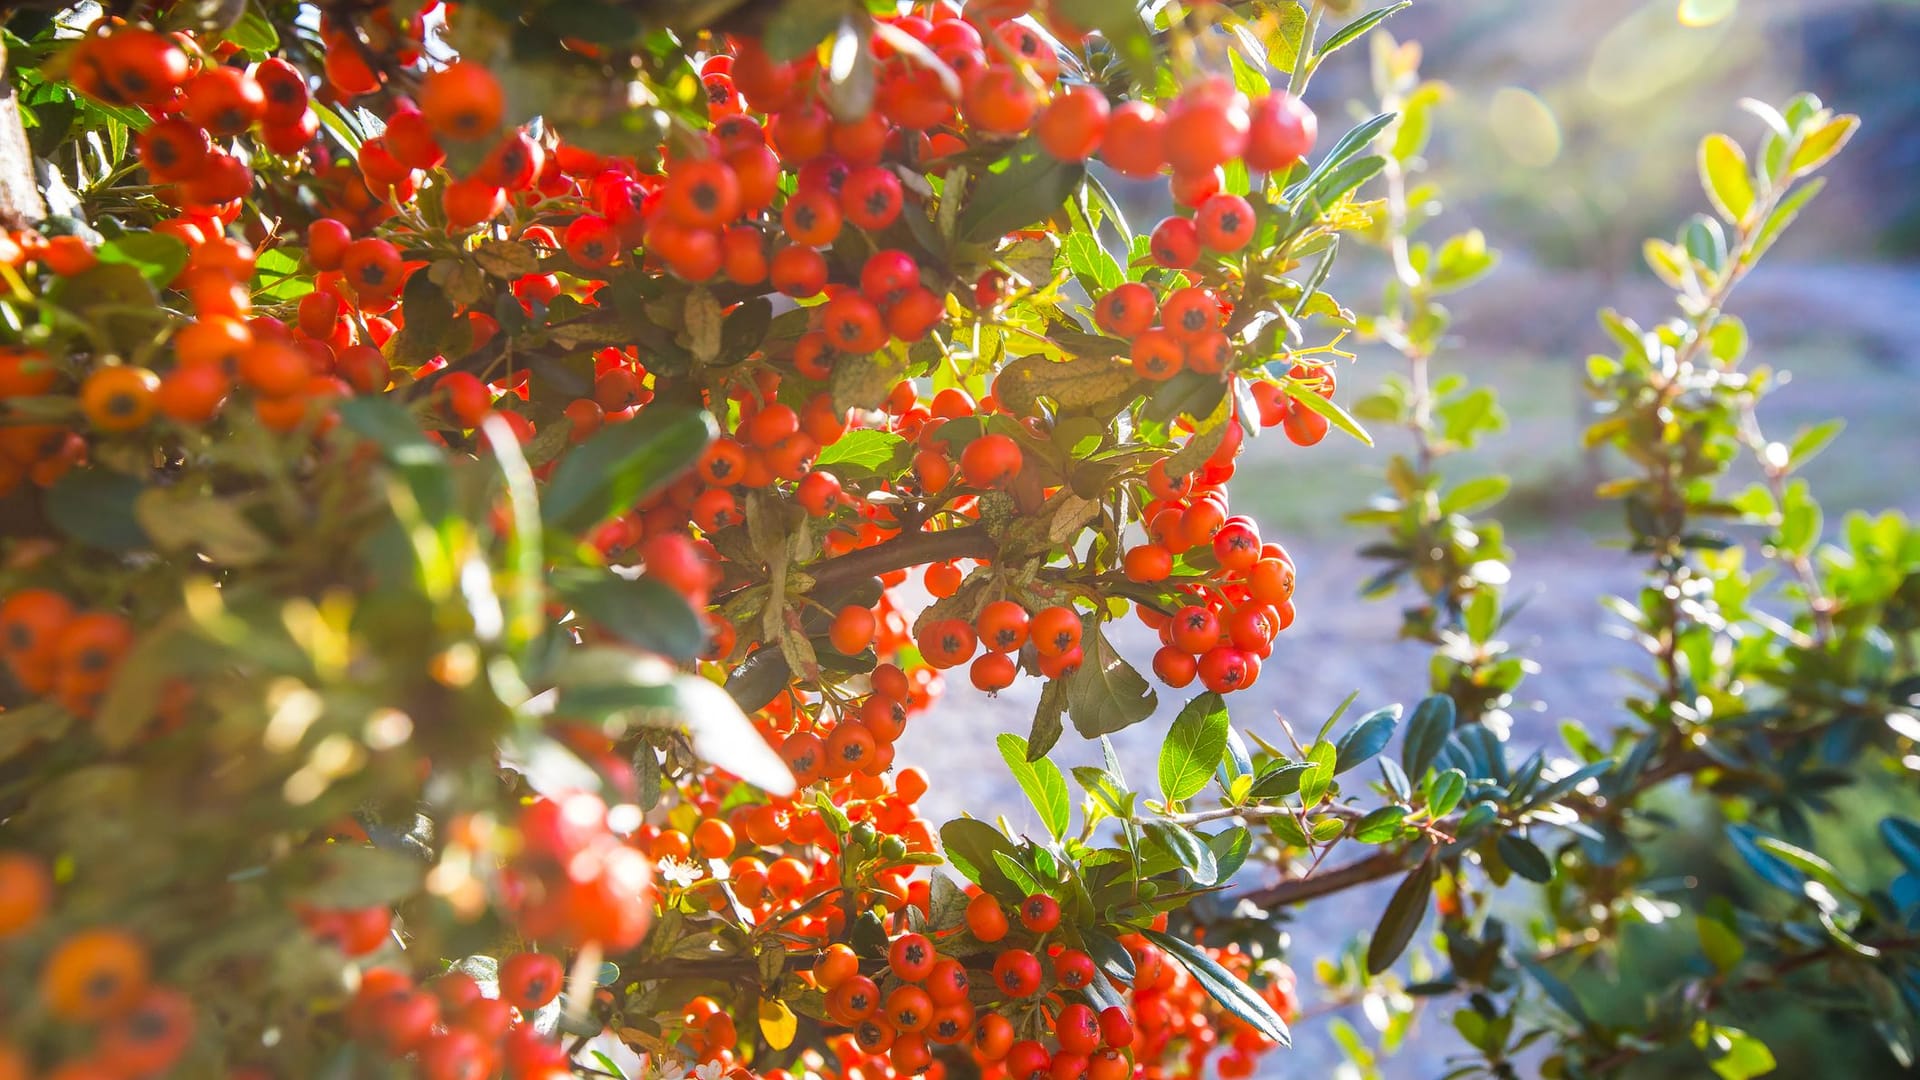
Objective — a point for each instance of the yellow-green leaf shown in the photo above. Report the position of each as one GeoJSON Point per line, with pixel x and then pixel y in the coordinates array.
{"type": "Point", "coordinates": [1818, 148]}
{"type": "Point", "coordinates": [1723, 172]}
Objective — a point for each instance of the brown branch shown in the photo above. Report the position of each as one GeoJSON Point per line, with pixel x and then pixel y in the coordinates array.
{"type": "Point", "coordinates": [911, 549]}
{"type": "Point", "coordinates": [765, 672]}
{"type": "Point", "coordinates": [1381, 864]}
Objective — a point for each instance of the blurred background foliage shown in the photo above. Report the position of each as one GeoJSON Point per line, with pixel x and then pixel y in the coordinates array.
{"type": "Point", "coordinates": [1565, 131]}
{"type": "Point", "coordinates": [1585, 106]}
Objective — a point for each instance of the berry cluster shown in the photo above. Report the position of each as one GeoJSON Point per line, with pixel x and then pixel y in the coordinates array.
{"type": "Point", "coordinates": [791, 269]}
{"type": "Point", "coordinates": [98, 980]}
{"type": "Point", "coordinates": [52, 649]}
{"type": "Point", "coordinates": [574, 881]}
{"type": "Point", "coordinates": [1228, 628]}
{"type": "Point", "coordinates": [453, 1030]}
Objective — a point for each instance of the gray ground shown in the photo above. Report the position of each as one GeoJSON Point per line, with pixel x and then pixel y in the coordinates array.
{"type": "Point", "coordinates": [1339, 644]}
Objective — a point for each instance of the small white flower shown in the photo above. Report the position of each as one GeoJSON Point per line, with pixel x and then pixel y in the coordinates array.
{"type": "Point", "coordinates": [679, 872]}
{"type": "Point", "coordinates": [671, 1069]}
{"type": "Point", "coordinates": [712, 1070]}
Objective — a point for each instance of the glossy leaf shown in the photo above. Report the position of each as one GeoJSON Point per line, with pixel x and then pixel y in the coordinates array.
{"type": "Point", "coordinates": [1045, 786]}
{"type": "Point", "coordinates": [1771, 868]}
{"type": "Point", "coordinates": [1404, 912]}
{"type": "Point", "coordinates": [1380, 825]}
{"type": "Point", "coordinates": [1902, 837]}
{"type": "Point", "coordinates": [1194, 747]}
{"type": "Point", "coordinates": [1192, 852]}
{"type": "Point", "coordinates": [1427, 730]}
{"type": "Point", "coordinates": [1315, 781]}
{"type": "Point", "coordinates": [622, 464]}
{"type": "Point", "coordinates": [1106, 694]}
{"type": "Point", "coordinates": [971, 847]}
{"type": "Point", "coordinates": [1224, 987]}
{"type": "Point", "coordinates": [643, 612]}
{"type": "Point", "coordinates": [1525, 858]}
{"type": "Point", "coordinates": [1367, 737]}
{"type": "Point", "coordinates": [1448, 788]}
{"type": "Point", "coordinates": [158, 256]}
{"type": "Point", "coordinates": [1031, 185]}
{"type": "Point", "coordinates": [1352, 32]}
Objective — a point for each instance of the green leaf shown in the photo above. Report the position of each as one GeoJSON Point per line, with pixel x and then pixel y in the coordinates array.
{"type": "Point", "coordinates": [1280, 782]}
{"type": "Point", "coordinates": [1902, 837]}
{"type": "Point", "coordinates": [1367, 737]}
{"type": "Point", "coordinates": [1380, 825]}
{"type": "Point", "coordinates": [97, 508]}
{"type": "Point", "coordinates": [1121, 24]}
{"type": "Point", "coordinates": [865, 452]}
{"type": "Point", "coordinates": [1524, 857]}
{"type": "Point", "coordinates": [1230, 849]}
{"type": "Point", "coordinates": [1046, 719]}
{"type": "Point", "coordinates": [1720, 942]}
{"type": "Point", "coordinates": [1784, 215]}
{"type": "Point", "coordinates": [1427, 732]}
{"type": "Point", "coordinates": [1723, 173]}
{"type": "Point", "coordinates": [278, 277]}
{"type": "Point", "coordinates": [386, 423]}
{"type": "Point", "coordinates": [1315, 781]}
{"type": "Point", "coordinates": [1771, 869]}
{"type": "Point", "coordinates": [1194, 747]}
{"type": "Point", "coordinates": [1403, 916]}
{"type": "Point", "coordinates": [1092, 264]}
{"type": "Point", "coordinates": [1106, 791]}
{"type": "Point", "coordinates": [1031, 186]}
{"type": "Point", "coordinates": [352, 876]}
{"type": "Point", "coordinates": [1809, 442]}
{"type": "Point", "coordinates": [1807, 863]}
{"type": "Point", "coordinates": [1194, 855]}
{"type": "Point", "coordinates": [1106, 694]}
{"type": "Point", "coordinates": [1338, 184]}
{"type": "Point", "coordinates": [970, 846]}
{"type": "Point", "coordinates": [1022, 878]}
{"type": "Point", "coordinates": [1224, 987]}
{"type": "Point", "coordinates": [337, 126]}
{"type": "Point", "coordinates": [41, 721]}
{"type": "Point", "coordinates": [1465, 418]}
{"type": "Point", "coordinates": [622, 464]}
{"type": "Point", "coordinates": [157, 256]}
{"type": "Point", "coordinates": [1733, 1054]}
{"type": "Point", "coordinates": [432, 328]}
{"type": "Point", "coordinates": [795, 30]}
{"type": "Point", "coordinates": [644, 612]}
{"type": "Point", "coordinates": [1475, 494]}
{"type": "Point", "coordinates": [1355, 140]}
{"type": "Point", "coordinates": [254, 33]}
{"type": "Point", "coordinates": [179, 520]}
{"type": "Point", "coordinates": [1287, 830]}
{"type": "Point", "coordinates": [1351, 32]}
{"type": "Point", "coordinates": [1556, 990]}
{"type": "Point", "coordinates": [1335, 415]}
{"type": "Point", "coordinates": [1800, 519]}
{"type": "Point", "coordinates": [1448, 789]}
{"type": "Point", "coordinates": [1042, 780]}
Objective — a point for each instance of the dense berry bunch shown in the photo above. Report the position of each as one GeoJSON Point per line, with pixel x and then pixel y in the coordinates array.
{"type": "Point", "coordinates": [398, 458]}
